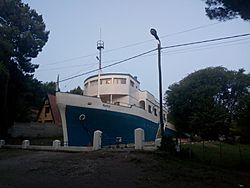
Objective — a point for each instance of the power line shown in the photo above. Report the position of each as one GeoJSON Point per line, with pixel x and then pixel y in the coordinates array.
{"type": "Point", "coordinates": [166, 47]}
{"type": "Point", "coordinates": [163, 36]}
{"type": "Point", "coordinates": [68, 67]}
{"type": "Point", "coordinates": [134, 44]}
{"type": "Point", "coordinates": [71, 59]}
{"type": "Point", "coordinates": [209, 46]}
{"type": "Point", "coordinates": [191, 29]}
{"type": "Point", "coordinates": [82, 70]}
{"type": "Point", "coordinates": [89, 65]}
{"type": "Point", "coordinates": [204, 47]}
{"type": "Point", "coordinates": [105, 62]}
{"type": "Point", "coordinates": [206, 41]}
{"type": "Point", "coordinates": [110, 65]}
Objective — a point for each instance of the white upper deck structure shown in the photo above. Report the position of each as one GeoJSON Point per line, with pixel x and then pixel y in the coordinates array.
{"type": "Point", "coordinates": [121, 89]}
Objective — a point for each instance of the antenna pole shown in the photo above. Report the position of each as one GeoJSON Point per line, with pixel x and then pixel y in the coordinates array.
{"type": "Point", "coordinates": [57, 84]}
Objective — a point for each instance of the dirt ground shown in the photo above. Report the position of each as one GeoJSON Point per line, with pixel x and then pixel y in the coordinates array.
{"type": "Point", "coordinates": [22, 168]}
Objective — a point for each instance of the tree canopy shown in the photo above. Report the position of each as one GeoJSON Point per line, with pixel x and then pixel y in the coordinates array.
{"type": "Point", "coordinates": [22, 34]}
{"type": "Point", "coordinates": [77, 91]}
{"type": "Point", "coordinates": [22, 37]}
{"type": "Point", "coordinates": [32, 98]}
{"type": "Point", "coordinates": [228, 9]}
{"type": "Point", "coordinates": [210, 101]}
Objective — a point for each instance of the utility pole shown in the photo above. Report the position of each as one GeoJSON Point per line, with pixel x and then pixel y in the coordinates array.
{"type": "Point", "coordinates": [154, 33]}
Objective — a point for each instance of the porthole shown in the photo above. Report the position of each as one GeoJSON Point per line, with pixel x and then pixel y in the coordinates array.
{"type": "Point", "coordinates": [82, 117]}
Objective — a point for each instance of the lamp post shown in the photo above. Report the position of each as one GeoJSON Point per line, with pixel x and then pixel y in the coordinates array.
{"type": "Point", "coordinates": [154, 33]}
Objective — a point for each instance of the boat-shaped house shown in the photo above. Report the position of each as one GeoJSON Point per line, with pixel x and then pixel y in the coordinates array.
{"type": "Point", "coordinates": [114, 104]}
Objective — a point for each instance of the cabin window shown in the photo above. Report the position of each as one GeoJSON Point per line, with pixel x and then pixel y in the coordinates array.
{"type": "Point", "coordinates": [116, 80]}
{"type": "Point", "coordinates": [132, 83]}
{"type": "Point", "coordinates": [47, 102]}
{"type": "Point", "coordinates": [93, 83]}
{"type": "Point", "coordinates": [106, 81]}
{"type": "Point", "coordinates": [47, 110]}
{"type": "Point", "coordinates": [155, 111]}
{"type": "Point", "coordinates": [142, 104]}
{"type": "Point", "coordinates": [123, 80]}
{"type": "Point", "coordinates": [149, 109]}
{"type": "Point", "coordinates": [86, 85]}
{"type": "Point", "coordinates": [117, 103]}
{"type": "Point", "coordinates": [48, 121]}
{"type": "Point", "coordinates": [119, 80]}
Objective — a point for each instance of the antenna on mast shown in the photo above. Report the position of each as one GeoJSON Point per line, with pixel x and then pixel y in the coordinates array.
{"type": "Point", "coordinates": [100, 47]}
{"type": "Point", "coordinates": [100, 33]}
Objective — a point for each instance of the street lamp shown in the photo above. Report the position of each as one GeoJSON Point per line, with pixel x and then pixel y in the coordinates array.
{"type": "Point", "coordinates": [154, 33]}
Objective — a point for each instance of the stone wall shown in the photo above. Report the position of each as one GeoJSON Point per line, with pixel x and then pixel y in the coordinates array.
{"type": "Point", "coordinates": [37, 130]}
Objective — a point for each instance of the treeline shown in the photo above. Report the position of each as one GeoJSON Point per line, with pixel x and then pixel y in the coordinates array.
{"type": "Point", "coordinates": [211, 103]}
{"type": "Point", "coordinates": [22, 37]}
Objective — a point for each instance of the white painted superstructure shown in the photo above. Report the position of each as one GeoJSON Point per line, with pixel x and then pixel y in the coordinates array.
{"type": "Point", "coordinates": [122, 90]}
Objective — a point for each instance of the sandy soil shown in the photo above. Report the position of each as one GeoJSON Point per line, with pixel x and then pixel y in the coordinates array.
{"type": "Point", "coordinates": [19, 168]}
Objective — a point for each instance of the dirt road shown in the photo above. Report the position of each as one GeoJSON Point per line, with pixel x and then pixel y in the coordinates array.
{"type": "Point", "coordinates": [19, 168]}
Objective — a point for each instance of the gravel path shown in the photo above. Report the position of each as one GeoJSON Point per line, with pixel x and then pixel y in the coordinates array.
{"type": "Point", "coordinates": [22, 168]}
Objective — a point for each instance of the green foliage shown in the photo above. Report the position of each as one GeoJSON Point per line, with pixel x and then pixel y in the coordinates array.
{"type": "Point", "coordinates": [209, 101]}
{"type": "Point", "coordinates": [22, 34]}
{"type": "Point", "coordinates": [244, 118]}
{"type": "Point", "coordinates": [77, 91]}
{"type": "Point", "coordinates": [22, 37]}
{"type": "Point", "coordinates": [49, 88]}
{"type": "Point", "coordinates": [32, 98]}
{"type": "Point", "coordinates": [228, 9]}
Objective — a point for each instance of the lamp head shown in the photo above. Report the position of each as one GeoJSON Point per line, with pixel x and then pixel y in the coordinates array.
{"type": "Point", "coordinates": [154, 33]}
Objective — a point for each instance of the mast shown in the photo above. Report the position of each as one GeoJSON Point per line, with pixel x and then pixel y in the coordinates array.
{"type": "Point", "coordinates": [57, 84]}
{"type": "Point", "coordinates": [100, 46]}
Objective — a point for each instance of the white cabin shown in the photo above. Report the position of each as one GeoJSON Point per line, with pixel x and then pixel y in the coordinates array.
{"type": "Point", "coordinates": [121, 89]}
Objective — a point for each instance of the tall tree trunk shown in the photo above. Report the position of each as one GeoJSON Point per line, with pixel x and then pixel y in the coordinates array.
{"type": "Point", "coordinates": [4, 108]}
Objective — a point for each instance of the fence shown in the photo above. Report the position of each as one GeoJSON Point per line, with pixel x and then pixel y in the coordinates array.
{"type": "Point", "coordinates": [219, 153]}
{"type": "Point", "coordinates": [35, 130]}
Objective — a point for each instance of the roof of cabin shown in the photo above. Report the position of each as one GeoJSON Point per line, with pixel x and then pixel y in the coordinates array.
{"type": "Point", "coordinates": [112, 74]}
{"type": "Point", "coordinates": [54, 109]}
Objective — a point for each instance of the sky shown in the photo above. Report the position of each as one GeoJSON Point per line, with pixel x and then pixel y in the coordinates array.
{"type": "Point", "coordinates": [124, 26]}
